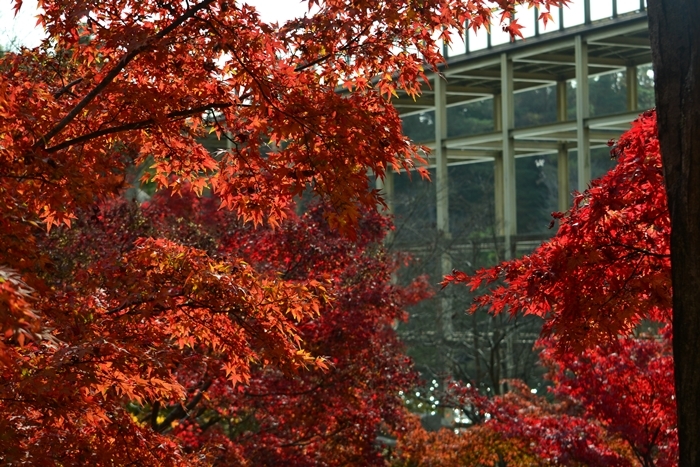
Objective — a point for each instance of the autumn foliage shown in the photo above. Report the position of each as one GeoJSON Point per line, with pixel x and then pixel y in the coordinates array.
{"type": "Point", "coordinates": [214, 324]}
{"type": "Point", "coordinates": [612, 406]}
{"type": "Point", "coordinates": [606, 270]}
{"type": "Point", "coordinates": [269, 414]}
{"type": "Point", "coordinates": [608, 266]}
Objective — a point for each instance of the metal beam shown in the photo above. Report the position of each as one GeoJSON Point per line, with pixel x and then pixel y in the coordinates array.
{"type": "Point", "coordinates": [428, 103]}
{"type": "Point", "coordinates": [628, 42]}
{"type": "Point", "coordinates": [542, 130]}
{"type": "Point", "coordinates": [639, 24]}
{"type": "Point", "coordinates": [495, 139]}
{"type": "Point", "coordinates": [599, 136]}
{"type": "Point", "coordinates": [623, 118]}
{"type": "Point", "coordinates": [472, 154]}
{"type": "Point", "coordinates": [583, 155]}
{"type": "Point", "coordinates": [418, 103]}
{"type": "Point", "coordinates": [440, 154]}
{"type": "Point", "coordinates": [632, 96]}
{"type": "Point", "coordinates": [508, 155]}
{"type": "Point", "coordinates": [476, 139]}
{"type": "Point", "coordinates": [469, 90]}
{"type": "Point", "coordinates": [520, 145]}
{"type": "Point", "coordinates": [545, 47]}
{"type": "Point", "coordinates": [469, 63]}
{"type": "Point", "coordinates": [563, 190]}
{"type": "Point", "coordinates": [442, 199]}
{"type": "Point", "coordinates": [517, 76]}
{"type": "Point", "coordinates": [561, 59]}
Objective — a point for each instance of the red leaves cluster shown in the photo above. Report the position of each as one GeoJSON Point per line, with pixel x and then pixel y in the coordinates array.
{"type": "Point", "coordinates": [614, 405]}
{"type": "Point", "coordinates": [480, 445]}
{"type": "Point", "coordinates": [168, 306]}
{"type": "Point", "coordinates": [129, 316]}
{"type": "Point", "coordinates": [18, 319]}
{"type": "Point", "coordinates": [327, 417]}
{"type": "Point", "coordinates": [608, 266]}
{"type": "Point", "coordinates": [139, 82]}
{"type": "Point", "coordinates": [627, 388]}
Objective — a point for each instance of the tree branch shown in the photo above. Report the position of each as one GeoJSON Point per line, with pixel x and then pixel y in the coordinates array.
{"type": "Point", "coordinates": [114, 72]}
{"type": "Point", "coordinates": [154, 414]}
{"type": "Point", "coordinates": [180, 411]}
{"type": "Point", "coordinates": [136, 125]}
{"type": "Point", "coordinates": [641, 250]}
{"type": "Point", "coordinates": [67, 88]}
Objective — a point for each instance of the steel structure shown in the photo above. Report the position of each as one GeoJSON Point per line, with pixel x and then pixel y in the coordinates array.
{"type": "Point", "coordinates": [619, 42]}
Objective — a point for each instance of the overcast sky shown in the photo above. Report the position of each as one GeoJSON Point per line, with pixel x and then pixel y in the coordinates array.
{"type": "Point", "coordinates": [23, 30]}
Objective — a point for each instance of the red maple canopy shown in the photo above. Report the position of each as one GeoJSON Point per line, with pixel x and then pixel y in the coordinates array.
{"type": "Point", "coordinates": [128, 84]}
{"type": "Point", "coordinates": [608, 266]}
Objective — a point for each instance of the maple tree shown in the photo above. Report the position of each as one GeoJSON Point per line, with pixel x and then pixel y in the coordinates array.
{"type": "Point", "coordinates": [125, 84]}
{"type": "Point", "coordinates": [279, 417]}
{"type": "Point", "coordinates": [607, 269]}
{"type": "Point", "coordinates": [608, 266]}
{"type": "Point", "coordinates": [626, 387]}
{"type": "Point", "coordinates": [479, 446]}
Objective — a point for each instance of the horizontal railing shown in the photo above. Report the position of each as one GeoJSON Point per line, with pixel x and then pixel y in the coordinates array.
{"type": "Point", "coordinates": [579, 12]}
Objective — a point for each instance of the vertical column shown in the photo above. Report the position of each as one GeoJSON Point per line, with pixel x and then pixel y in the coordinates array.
{"type": "Point", "coordinates": [442, 193]}
{"type": "Point", "coordinates": [499, 201]}
{"type": "Point", "coordinates": [582, 113]}
{"type": "Point", "coordinates": [632, 98]}
{"type": "Point", "coordinates": [441, 183]}
{"type": "Point", "coordinates": [561, 17]}
{"type": "Point", "coordinates": [562, 153]}
{"type": "Point", "coordinates": [508, 153]}
{"type": "Point", "coordinates": [466, 36]}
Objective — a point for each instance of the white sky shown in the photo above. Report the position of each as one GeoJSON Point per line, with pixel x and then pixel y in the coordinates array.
{"type": "Point", "coordinates": [22, 29]}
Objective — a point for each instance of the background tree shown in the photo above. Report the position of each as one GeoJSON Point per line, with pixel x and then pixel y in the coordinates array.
{"type": "Point", "coordinates": [627, 388]}
{"type": "Point", "coordinates": [608, 266]}
{"type": "Point", "coordinates": [612, 405]}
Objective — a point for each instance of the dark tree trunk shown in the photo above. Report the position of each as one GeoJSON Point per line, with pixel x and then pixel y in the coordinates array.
{"type": "Point", "coordinates": [675, 42]}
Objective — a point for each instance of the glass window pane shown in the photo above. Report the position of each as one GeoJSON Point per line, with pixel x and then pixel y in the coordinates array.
{"type": "Point", "coordinates": [477, 40]}
{"type": "Point", "coordinates": [498, 35]}
{"type": "Point", "coordinates": [457, 45]}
